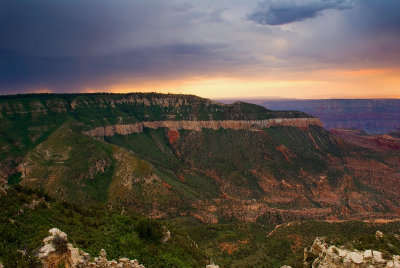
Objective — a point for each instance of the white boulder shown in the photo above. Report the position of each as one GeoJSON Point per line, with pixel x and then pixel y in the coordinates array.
{"type": "Point", "coordinates": [379, 234]}
{"type": "Point", "coordinates": [368, 254]}
{"type": "Point", "coordinates": [356, 257]}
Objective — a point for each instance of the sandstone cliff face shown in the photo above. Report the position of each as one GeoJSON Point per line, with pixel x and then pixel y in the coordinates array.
{"type": "Point", "coordinates": [126, 129]}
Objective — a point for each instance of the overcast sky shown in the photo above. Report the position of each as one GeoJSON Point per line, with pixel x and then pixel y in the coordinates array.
{"type": "Point", "coordinates": [224, 48]}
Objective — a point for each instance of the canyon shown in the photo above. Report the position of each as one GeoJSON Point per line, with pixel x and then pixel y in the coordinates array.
{"type": "Point", "coordinates": [374, 116]}
{"type": "Point", "coordinates": [170, 155]}
{"type": "Point", "coordinates": [193, 162]}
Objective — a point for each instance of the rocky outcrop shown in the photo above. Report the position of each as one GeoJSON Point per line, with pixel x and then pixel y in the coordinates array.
{"type": "Point", "coordinates": [323, 255]}
{"type": "Point", "coordinates": [102, 261]}
{"type": "Point", "coordinates": [3, 187]}
{"type": "Point", "coordinates": [172, 136]}
{"type": "Point", "coordinates": [378, 234]}
{"type": "Point", "coordinates": [126, 129]}
{"type": "Point", "coordinates": [166, 235]}
{"type": "Point", "coordinates": [212, 265]}
{"type": "Point", "coordinates": [163, 100]}
{"type": "Point", "coordinates": [57, 252]}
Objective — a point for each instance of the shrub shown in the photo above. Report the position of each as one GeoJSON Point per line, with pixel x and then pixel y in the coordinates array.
{"type": "Point", "coordinates": [149, 229]}
{"type": "Point", "coordinates": [60, 244]}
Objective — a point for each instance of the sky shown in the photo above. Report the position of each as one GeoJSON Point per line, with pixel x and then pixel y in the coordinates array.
{"type": "Point", "coordinates": [211, 48]}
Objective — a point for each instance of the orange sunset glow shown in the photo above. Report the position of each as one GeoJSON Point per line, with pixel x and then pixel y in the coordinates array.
{"type": "Point", "coordinates": [370, 83]}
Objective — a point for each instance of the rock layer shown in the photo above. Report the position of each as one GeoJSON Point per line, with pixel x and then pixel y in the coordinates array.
{"type": "Point", "coordinates": [126, 129]}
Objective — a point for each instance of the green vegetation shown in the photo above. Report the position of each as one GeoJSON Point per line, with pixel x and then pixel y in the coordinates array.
{"type": "Point", "coordinates": [14, 178]}
{"type": "Point", "coordinates": [256, 246]}
{"type": "Point", "coordinates": [229, 244]}
{"type": "Point", "coordinates": [78, 167]}
{"type": "Point", "coordinates": [90, 229]}
{"type": "Point", "coordinates": [153, 146]}
{"type": "Point", "coordinates": [232, 154]}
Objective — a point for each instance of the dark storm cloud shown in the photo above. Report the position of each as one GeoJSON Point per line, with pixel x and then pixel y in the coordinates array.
{"type": "Point", "coordinates": [74, 43]}
{"type": "Point", "coordinates": [73, 27]}
{"type": "Point", "coordinates": [376, 15]}
{"type": "Point", "coordinates": [277, 12]}
{"type": "Point", "coordinates": [20, 71]}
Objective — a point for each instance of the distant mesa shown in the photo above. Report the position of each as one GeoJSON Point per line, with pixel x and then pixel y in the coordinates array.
{"type": "Point", "coordinates": [375, 116]}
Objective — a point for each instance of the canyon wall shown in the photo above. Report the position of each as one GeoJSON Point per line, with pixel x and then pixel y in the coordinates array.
{"type": "Point", "coordinates": [126, 129]}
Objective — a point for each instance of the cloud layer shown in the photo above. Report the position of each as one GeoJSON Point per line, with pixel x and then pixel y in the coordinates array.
{"type": "Point", "coordinates": [73, 45]}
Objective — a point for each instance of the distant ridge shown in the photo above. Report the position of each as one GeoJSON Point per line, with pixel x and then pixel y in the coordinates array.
{"type": "Point", "coordinates": [375, 116]}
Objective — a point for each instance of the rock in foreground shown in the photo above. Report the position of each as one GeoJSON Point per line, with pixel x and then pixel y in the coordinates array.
{"type": "Point", "coordinates": [323, 255]}
{"type": "Point", "coordinates": [57, 251]}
